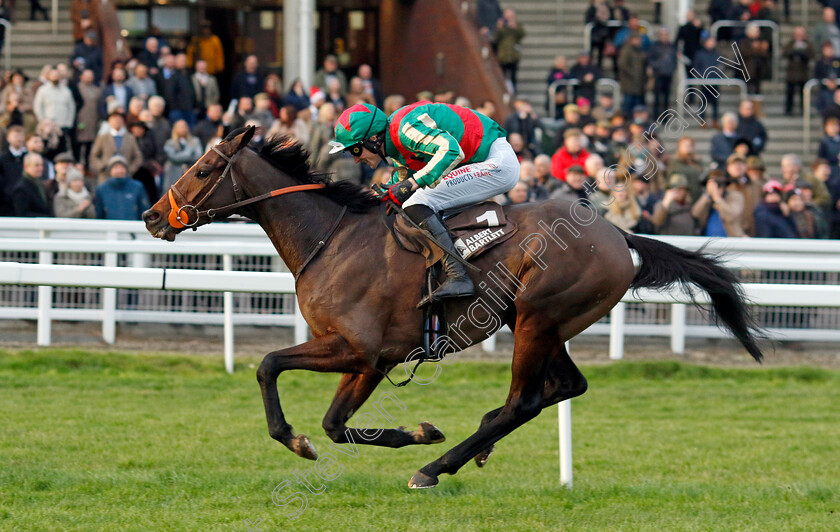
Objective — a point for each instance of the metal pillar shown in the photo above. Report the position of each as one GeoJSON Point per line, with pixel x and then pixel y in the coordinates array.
{"type": "Point", "coordinates": [299, 40]}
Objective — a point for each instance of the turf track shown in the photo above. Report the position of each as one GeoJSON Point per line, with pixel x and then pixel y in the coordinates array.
{"type": "Point", "coordinates": [99, 441]}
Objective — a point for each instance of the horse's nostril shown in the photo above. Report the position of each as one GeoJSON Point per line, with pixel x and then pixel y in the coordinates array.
{"type": "Point", "coordinates": [151, 216]}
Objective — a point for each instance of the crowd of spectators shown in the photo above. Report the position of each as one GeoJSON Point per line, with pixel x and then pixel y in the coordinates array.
{"type": "Point", "coordinates": [673, 189]}
{"type": "Point", "coordinates": [89, 140]}
{"type": "Point", "coordinates": [637, 183]}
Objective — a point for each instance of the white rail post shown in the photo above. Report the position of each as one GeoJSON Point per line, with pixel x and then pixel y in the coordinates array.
{"type": "Point", "coordinates": [489, 345]}
{"type": "Point", "coordinates": [44, 299]}
{"type": "Point", "coordinates": [617, 331]}
{"type": "Point", "coordinates": [678, 328]}
{"type": "Point", "coordinates": [140, 260]}
{"type": "Point", "coordinates": [564, 423]}
{"type": "Point", "coordinates": [301, 327]}
{"type": "Point", "coordinates": [227, 264]}
{"type": "Point", "coordinates": [109, 299]}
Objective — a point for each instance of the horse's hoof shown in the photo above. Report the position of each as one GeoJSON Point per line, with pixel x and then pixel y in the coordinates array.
{"type": "Point", "coordinates": [482, 457]}
{"type": "Point", "coordinates": [427, 433]}
{"type": "Point", "coordinates": [304, 448]}
{"type": "Point", "coordinates": [422, 480]}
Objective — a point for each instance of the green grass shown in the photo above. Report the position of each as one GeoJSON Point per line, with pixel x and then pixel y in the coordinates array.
{"type": "Point", "coordinates": [111, 441]}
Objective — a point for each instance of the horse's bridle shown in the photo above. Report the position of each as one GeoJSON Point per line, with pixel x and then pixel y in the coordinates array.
{"type": "Point", "coordinates": [179, 217]}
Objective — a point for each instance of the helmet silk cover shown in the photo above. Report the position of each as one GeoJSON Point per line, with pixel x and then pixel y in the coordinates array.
{"type": "Point", "coordinates": [356, 124]}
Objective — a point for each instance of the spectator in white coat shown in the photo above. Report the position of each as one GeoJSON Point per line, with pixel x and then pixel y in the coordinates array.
{"type": "Point", "coordinates": [54, 101]}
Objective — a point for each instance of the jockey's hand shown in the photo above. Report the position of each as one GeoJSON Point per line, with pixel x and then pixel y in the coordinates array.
{"type": "Point", "coordinates": [380, 190]}
{"type": "Point", "coordinates": [399, 192]}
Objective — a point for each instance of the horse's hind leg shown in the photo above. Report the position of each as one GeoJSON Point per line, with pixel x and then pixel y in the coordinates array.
{"type": "Point", "coordinates": [352, 392]}
{"type": "Point", "coordinates": [563, 380]}
{"type": "Point", "coordinates": [329, 353]}
{"type": "Point", "coordinates": [524, 403]}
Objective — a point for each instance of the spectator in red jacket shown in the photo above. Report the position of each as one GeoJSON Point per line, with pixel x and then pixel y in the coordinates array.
{"type": "Point", "coordinates": [570, 154]}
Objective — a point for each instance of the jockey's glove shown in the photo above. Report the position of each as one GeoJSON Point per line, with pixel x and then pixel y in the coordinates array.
{"type": "Point", "coordinates": [398, 193]}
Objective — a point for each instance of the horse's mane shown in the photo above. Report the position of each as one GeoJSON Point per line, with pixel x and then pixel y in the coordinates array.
{"type": "Point", "coordinates": [290, 157]}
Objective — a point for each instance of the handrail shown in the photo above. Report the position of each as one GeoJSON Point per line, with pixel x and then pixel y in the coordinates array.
{"type": "Point", "coordinates": [737, 257]}
{"type": "Point", "coordinates": [8, 40]}
{"type": "Point", "coordinates": [146, 246]}
{"type": "Point", "coordinates": [777, 39]}
{"type": "Point", "coordinates": [54, 16]}
{"type": "Point", "coordinates": [587, 30]}
{"type": "Point", "coordinates": [92, 230]}
{"type": "Point", "coordinates": [97, 228]}
{"type": "Point", "coordinates": [806, 113]}
{"type": "Point", "coordinates": [613, 85]}
{"type": "Point", "coordinates": [711, 81]}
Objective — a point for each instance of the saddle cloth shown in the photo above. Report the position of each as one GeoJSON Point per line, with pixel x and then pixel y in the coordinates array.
{"type": "Point", "coordinates": [476, 228]}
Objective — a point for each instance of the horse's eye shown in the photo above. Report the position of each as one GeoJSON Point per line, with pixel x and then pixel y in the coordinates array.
{"type": "Point", "coordinates": [202, 174]}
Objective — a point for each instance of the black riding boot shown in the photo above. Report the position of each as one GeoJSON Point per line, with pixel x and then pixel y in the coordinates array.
{"type": "Point", "coordinates": [457, 283]}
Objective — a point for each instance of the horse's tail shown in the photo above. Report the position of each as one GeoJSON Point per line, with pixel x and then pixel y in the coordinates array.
{"type": "Point", "coordinates": [663, 265]}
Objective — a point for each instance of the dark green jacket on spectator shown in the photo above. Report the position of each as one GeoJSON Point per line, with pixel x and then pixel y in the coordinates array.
{"type": "Point", "coordinates": [28, 198]}
{"type": "Point", "coordinates": [632, 70]}
{"type": "Point", "coordinates": [691, 169]}
{"type": "Point", "coordinates": [507, 44]}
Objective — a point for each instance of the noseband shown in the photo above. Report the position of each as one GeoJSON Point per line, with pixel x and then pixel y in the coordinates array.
{"type": "Point", "coordinates": [180, 217]}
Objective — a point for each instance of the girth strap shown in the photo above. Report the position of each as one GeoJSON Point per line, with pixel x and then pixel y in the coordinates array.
{"type": "Point", "coordinates": [321, 243]}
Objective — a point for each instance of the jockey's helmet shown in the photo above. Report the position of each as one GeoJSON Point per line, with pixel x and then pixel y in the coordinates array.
{"type": "Point", "coordinates": [355, 128]}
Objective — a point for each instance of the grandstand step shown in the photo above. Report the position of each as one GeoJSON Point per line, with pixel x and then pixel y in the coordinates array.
{"type": "Point", "coordinates": [42, 27]}
{"type": "Point", "coordinates": [552, 41]}
{"type": "Point", "coordinates": [43, 51]}
{"type": "Point", "coordinates": [28, 39]}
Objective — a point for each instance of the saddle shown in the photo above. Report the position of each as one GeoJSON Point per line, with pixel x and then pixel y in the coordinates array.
{"type": "Point", "coordinates": [477, 228]}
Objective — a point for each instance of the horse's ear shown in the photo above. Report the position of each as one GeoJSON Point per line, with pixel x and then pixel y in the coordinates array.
{"type": "Point", "coordinates": [245, 137]}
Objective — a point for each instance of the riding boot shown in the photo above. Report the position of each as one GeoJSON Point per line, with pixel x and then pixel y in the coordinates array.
{"type": "Point", "coordinates": [457, 283]}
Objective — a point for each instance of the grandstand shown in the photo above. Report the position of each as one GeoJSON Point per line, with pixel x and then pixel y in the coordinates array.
{"type": "Point", "coordinates": [555, 27]}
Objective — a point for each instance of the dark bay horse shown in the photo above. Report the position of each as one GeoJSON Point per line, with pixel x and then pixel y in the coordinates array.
{"type": "Point", "coordinates": [563, 270]}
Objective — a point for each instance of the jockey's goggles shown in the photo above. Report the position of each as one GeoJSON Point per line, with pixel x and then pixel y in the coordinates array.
{"type": "Point", "coordinates": [372, 146]}
{"type": "Point", "coordinates": [356, 149]}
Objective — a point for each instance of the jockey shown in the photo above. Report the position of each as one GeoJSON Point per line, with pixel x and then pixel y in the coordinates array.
{"type": "Point", "coordinates": [431, 140]}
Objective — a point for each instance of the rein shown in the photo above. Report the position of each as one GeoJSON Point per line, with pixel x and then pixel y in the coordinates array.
{"type": "Point", "coordinates": [179, 217]}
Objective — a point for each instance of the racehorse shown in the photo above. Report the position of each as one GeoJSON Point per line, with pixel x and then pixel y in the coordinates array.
{"type": "Point", "coordinates": [563, 270]}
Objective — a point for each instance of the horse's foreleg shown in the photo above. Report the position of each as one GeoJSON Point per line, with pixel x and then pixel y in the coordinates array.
{"type": "Point", "coordinates": [352, 392]}
{"type": "Point", "coordinates": [482, 457]}
{"type": "Point", "coordinates": [329, 353]}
